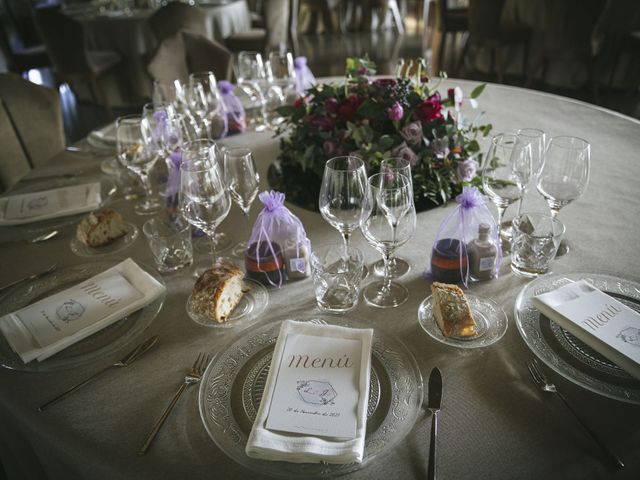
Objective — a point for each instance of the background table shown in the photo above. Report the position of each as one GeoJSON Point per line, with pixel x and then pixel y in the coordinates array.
{"type": "Point", "coordinates": [494, 422]}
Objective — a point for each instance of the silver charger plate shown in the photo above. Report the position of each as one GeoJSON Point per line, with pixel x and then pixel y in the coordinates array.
{"type": "Point", "coordinates": [491, 323]}
{"type": "Point", "coordinates": [253, 303]}
{"type": "Point", "coordinates": [110, 340]}
{"type": "Point", "coordinates": [563, 352]}
{"type": "Point", "coordinates": [231, 391]}
{"type": "Point", "coordinates": [117, 245]}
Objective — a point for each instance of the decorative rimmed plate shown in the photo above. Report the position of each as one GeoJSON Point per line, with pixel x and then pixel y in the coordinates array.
{"type": "Point", "coordinates": [491, 323]}
{"type": "Point", "coordinates": [108, 341]}
{"type": "Point", "coordinates": [108, 190]}
{"type": "Point", "coordinates": [252, 304]}
{"type": "Point", "coordinates": [231, 391]}
{"type": "Point", "coordinates": [117, 245]}
{"type": "Point", "coordinates": [563, 352]}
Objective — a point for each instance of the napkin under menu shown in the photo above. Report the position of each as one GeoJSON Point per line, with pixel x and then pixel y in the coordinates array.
{"type": "Point", "coordinates": [47, 204]}
{"type": "Point", "coordinates": [607, 325]}
{"type": "Point", "coordinates": [314, 407]}
{"type": "Point", "coordinates": [46, 327]}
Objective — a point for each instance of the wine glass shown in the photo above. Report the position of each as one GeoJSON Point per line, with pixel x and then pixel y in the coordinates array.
{"type": "Point", "coordinates": [209, 96]}
{"type": "Point", "coordinates": [538, 141]}
{"type": "Point", "coordinates": [342, 195]}
{"type": "Point", "coordinates": [281, 75]}
{"type": "Point", "coordinates": [243, 182]}
{"type": "Point", "coordinates": [506, 170]}
{"type": "Point", "coordinates": [388, 222]}
{"type": "Point", "coordinates": [252, 80]}
{"type": "Point", "coordinates": [138, 157]}
{"type": "Point", "coordinates": [397, 266]}
{"type": "Point", "coordinates": [565, 174]}
{"type": "Point", "coordinates": [203, 200]}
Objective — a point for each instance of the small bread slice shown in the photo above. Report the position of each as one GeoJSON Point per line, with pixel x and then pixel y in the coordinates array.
{"type": "Point", "coordinates": [218, 292]}
{"type": "Point", "coordinates": [101, 228]}
{"type": "Point", "coordinates": [451, 311]}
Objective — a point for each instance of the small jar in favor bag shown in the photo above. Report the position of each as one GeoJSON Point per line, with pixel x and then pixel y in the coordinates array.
{"type": "Point", "coordinates": [296, 258]}
{"type": "Point", "coordinates": [448, 261]}
{"type": "Point", "coordinates": [264, 263]}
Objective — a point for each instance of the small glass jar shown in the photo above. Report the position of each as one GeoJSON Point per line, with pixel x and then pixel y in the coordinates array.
{"type": "Point", "coordinates": [482, 254]}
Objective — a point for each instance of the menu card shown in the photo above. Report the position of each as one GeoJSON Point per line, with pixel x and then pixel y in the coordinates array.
{"type": "Point", "coordinates": [607, 325]}
{"type": "Point", "coordinates": [314, 405]}
{"type": "Point", "coordinates": [316, 390]}
{"type": "Point", "coordinates": [60, 320]}
{"type": "Point", "coordinates": [51, 203]}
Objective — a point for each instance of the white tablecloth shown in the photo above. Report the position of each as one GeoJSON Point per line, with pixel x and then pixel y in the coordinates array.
{"type": "Point", "coordinates": [494, 422]}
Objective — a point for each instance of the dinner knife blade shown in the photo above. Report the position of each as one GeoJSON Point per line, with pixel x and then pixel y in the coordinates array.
{"type": "Point", "coordinates": [139, 351]}
{"type": "Point", "coordinates": [435, 389]}
{"type": "Point", "coordinates": [433, 404]}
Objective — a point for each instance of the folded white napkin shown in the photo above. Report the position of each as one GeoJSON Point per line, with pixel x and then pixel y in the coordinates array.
{"type": "Point", "coordinates": [50, 325]}
{"type": "Point", "coordinates": [47, 204]}
{"type": "Point", "coordinates": [298, 448]}
{"type": "Point", "coordinates": [599, 320]}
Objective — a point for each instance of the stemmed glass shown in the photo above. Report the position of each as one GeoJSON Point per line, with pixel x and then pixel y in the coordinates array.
{"type": "Point", "coordinates": [281, 75]}
{"type": "Point", "coordinates": [343, 194]}
{"type": "Point", "coordinates": [203, 89]}
{"type": "Point", "coordinates": [538, 141]}
{"type": "Point", "coordinates": [397, 266]}
{"type": "Point", "coordinates": [252, 80]}
{"type": "Point", "coordinates": [388, 222]}
{"type": "Point", "coordinates": [243, 182]}
{"type": "Point", "coordinates": [203, 200]}
{"type": "Point", "coordinates": [506, 170]}
{"type": "Point", "coordinates": [137, 156]}
{"type": "Point", "coordinates": [565, 174]}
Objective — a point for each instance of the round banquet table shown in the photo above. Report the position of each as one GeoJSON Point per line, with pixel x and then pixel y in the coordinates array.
{"type": "Point", "coordinates": [494, 422]}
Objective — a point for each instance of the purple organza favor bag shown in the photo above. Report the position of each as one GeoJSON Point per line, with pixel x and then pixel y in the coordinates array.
{"type": "Point", "coordinates": [467, 245]}
{"type": "Point", "coordinates": [236, 118]}
{"type": "Point", "coordinates": [278, 247]}
{"type": "Point", "coordinates": [304, 77]}
{"type": "Point", "coordinates": [173, 181]}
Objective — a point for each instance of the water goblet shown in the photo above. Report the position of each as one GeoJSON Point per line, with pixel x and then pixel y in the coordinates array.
{"type": "Point", "coordinates": [204, 201]}
{"type": "Point", "coordinates": [506, 170]}
{"type": "Point", "coordinates": [343, 194]}
{"type": "Point", "coordinates": [565, 175]}
{"type": "Point", "coordinates": [397, 266]}
{"type": "Point", "coordinates": [388, 222]}
{"type": "Point", "coordinates": [281, 75]}
{"type": "Point", "coordinates": [243, 182]}
{"type": "Point", "coordinates": [138, 157]}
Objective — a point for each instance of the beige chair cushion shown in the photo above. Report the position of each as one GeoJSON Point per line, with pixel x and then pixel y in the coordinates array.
{"type": "Point", "coordinates": [36, 115]}
{"type": "Point", "coordinates": [253, 40]}
{"type": "Point", "coordinates": [204, 55]}
{"type": "Point", "coordinates": [169, 63]}
{"type": "Point", "coordinates": [13, 161]}
{"type": "Point", "coordinates": [177, 16]}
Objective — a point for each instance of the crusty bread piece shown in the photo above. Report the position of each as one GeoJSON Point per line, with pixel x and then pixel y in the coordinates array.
{"type": "Point", "coordinates": [101, 228]}
{"type": "Point", "coordinates": [451, 310]}
{"type": "Point", "coordinates": [217, 292]}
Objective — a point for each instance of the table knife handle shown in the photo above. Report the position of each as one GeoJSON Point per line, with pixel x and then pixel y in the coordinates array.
{"type": "Point", "coordinates": [431, 471]}
{"type": "Point", "coordinates": [77, 386]}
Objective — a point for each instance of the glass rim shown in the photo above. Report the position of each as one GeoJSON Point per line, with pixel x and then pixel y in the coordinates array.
{"type": "Point", "coordinates": [525, 132]}
{"type": "Point", "coordinates": [555, 221]}
{"type": "Point", "coordinates": [131, 118]}
{"type": "Point", "coordinates": [342, 157]}
{"type": "Point", "coordinates": [516, 140]}
{"type": "Point", "coordinates": [180, 223]}
{"type": "Point", "coordinates": [376, 176]}
{"type": "Point", "coordinates": [569, 142]}
{"type": "Point", "coordinates": [236, 151]}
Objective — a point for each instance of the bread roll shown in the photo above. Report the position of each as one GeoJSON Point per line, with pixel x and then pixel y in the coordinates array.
{"type": "Point", "coordinates": [101, 228]}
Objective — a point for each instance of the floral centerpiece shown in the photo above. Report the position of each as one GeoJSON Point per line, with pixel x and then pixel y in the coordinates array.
{"type": "Point", "coordinates": [375, 120]}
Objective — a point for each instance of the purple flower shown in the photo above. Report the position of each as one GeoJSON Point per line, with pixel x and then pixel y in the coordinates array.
{"type": "Point", "coordinates": [321, 122]}
{"type": "Point", "coordinates": [440, 147]}
{"type": "Point", "coordinates": [395, 112]}
{"type": "Point", "coordinates": [331, 104]}
{"type": "Point", "coordinates": [405, 151]}
{"type": "Point", "coordinates": [384, 83]}
{"type": "Point", "coordinates": [412, 133]}
{"type": "Point", "coordinates": [466, 170]}
{"type": "Point", "coordinates": [329, 147]}
{"type": "Point", "coordinates": [361, 70]}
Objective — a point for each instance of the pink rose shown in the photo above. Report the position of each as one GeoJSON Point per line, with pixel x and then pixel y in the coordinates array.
{"type": "Point", "coordinates": [395, 112]}
{"type": "Point", "coordinates": [405, 151]}
{"type": "Point", "coordinates": [412, 133]}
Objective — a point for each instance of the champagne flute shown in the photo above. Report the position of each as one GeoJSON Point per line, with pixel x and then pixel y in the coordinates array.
{"type": "Point", "coordinates": [397, 266]}
{"type": "Point", "coordinates": [203, 200]}
{"type": "Point", "coordinates": [506, 170]}
{"type": "Point", "coordinates": [243, 182]}
{"type": "Point", "coordinates": [565, 174]}
{"type": "Point", "coordinates": [342, 195]}
{"type": "Point", "coordinates": [138, 157]}
{"type": "Point", "coordinates": [538, 141]}
{"type": "Point", "coordinates": [388, 222]}
{"type": "Point", "coordinates": [252, 80]}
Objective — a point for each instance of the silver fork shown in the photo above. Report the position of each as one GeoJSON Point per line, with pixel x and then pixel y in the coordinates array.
{"type": "Point", "coordinates": [194, 376]}
{"type": "Point", "coordinates": [540, 379]}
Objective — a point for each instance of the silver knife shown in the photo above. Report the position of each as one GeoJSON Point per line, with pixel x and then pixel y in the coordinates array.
{"type": "Point", "coordinates": [435, 397]}
{"type": "Point", "coordinates": [128, 359]}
